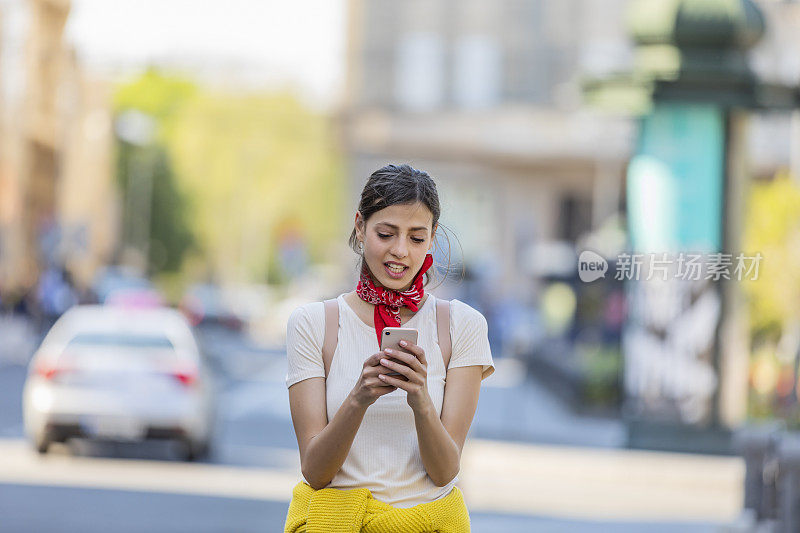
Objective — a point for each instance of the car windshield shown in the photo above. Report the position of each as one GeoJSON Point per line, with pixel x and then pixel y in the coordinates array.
{"type": "Point", "coordinates": [128, 340]}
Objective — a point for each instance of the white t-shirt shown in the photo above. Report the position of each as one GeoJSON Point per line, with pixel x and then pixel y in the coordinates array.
{"type": "Point", "coordinates": [385, 456]}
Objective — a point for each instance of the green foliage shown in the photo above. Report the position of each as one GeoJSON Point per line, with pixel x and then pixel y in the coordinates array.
{"type": "Point", "coordinates": [772, 227]}
{"type": "Point", "coordinates": [155, 94]}
{"type": "Point", "coordinates": [257, 166]}
{"type": "Point", "coordinates": [169, 236]}
{"type": "Point", "coordinates": [249, 170]}
{"type": "Point", "coordinates": [602, 366]}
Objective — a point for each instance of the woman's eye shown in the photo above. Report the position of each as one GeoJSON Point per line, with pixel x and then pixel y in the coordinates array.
{"type": "Point", "coordinates": [415, 239]}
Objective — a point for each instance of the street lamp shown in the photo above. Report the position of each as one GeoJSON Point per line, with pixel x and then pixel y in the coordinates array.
{"type": "Point", "coordinates": [138, 130]}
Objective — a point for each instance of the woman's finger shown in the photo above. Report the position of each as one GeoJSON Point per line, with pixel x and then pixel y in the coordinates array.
{"type": "Point", "coordinates": [373, 360]}
{"type": "Point", "coordinates": [415, 349]}
{"type": "Point", "coordinates": [407, 358]}
{"type": "Point", "coordinates": [379, 368]}
{"type": "Point", "coordinates": [381, 386]}
{"type": "Point", "coordinates": [410, 373]}
{"type": "Point", "coordinates": [400, 384]}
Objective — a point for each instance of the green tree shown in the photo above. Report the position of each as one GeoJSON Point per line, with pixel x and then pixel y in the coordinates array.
{"type": "Point", "coordinates": [772, 227]}
{"type": "Point", "coordinates": [252, 162]}
{"type": "Point", "coordinates": [156, 192]}
{"type": "Point", "coordinates": [169, 235]}
{"type": "Point", "coordinates": [246, 167]}
{"type": "Point", "coordinates": [155, 94]}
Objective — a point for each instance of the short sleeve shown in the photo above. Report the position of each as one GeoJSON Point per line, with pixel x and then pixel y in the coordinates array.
{"type": "Point", "coordinates": [470, 334]}
{"type": "Point", "coordinates": [305, 332]}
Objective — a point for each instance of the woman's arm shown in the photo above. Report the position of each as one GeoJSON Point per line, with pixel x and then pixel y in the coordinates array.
{"type": "Point", "coordinates": [440, 438]}
{"type": "Point", "coordinates": [324, 446]}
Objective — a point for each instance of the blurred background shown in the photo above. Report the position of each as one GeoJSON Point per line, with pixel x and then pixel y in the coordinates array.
{"type": "Point", "coordinates": [176, 177]}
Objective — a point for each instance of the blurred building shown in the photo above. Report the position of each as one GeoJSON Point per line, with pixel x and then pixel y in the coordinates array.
{"type": "Point", "coordinates": [775, 136]}
{"type": "Point", "coordinates": [89, 203]}
{"type": "Point", "coordinates": [57, 205]}
{"type": "Point", "coordinates": [486, 97]}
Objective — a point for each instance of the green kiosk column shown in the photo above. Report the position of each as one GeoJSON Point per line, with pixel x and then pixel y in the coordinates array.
{"type": "Point", "coordinates": [684, 342]}
{"type": "Point", "coordinates": [675, 204]}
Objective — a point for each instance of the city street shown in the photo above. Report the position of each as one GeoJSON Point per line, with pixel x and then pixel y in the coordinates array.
{"type": "Point", "coordinates": [606, 193]}
{"type": "Point", "coordinates": [526, 485]}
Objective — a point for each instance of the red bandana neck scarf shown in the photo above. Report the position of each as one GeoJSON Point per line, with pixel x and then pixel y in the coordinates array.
{"type": "Point", "coordinates": [389, 301]}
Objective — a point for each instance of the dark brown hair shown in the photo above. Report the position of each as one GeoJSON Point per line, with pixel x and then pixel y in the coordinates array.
{"type": "Point", "coordinates": [400, 185]}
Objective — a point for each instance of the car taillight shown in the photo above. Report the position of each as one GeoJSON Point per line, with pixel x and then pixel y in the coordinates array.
{"type": "Point", "coordinates": [186, 378]}
{"type": "Point", "coordinates": [50, 370]}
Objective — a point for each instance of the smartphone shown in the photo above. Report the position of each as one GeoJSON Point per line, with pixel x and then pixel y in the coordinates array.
{"type": "Point", "coordinates": [391, 337]}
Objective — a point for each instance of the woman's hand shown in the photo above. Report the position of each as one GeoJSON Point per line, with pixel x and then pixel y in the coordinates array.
{"type": "Point", "coordinates": [369, 388]}
{"type": "Point", "coordinates": [414, 367]}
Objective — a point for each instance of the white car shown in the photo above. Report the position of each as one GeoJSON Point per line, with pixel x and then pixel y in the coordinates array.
{"type": "Point", "coordinates": [114, 373]}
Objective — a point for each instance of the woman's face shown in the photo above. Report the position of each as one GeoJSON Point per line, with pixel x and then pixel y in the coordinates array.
{"type": "Point", "coordinates": [399, 235]}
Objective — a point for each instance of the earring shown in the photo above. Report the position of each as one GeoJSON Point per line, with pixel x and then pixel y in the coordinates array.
{"type": "Point", "coordinates": [361, 247]}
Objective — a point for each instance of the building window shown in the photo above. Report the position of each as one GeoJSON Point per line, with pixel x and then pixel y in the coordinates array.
{"type": "Point", "coordinates": [574, 217]}
{"type": "Point", "coordinates": [476, 72]}
{"type": "Point", "coordinates": [419, 78]}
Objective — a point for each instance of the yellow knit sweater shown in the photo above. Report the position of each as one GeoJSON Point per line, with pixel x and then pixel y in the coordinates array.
{"type": "Point", "coordinates": [356, 511]}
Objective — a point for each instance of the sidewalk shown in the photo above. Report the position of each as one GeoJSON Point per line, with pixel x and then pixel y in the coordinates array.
{"type": "Point", "coordinates": [601, 484]}
{"type": "Point", "coordinates": [533, 480]}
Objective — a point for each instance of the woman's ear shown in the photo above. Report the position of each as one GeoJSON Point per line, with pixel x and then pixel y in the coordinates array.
{"type": "Point", "coordinates": [359, 225]}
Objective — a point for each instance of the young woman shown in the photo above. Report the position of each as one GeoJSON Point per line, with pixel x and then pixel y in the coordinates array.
{"type": "Point", "coordinates": [381, 452]}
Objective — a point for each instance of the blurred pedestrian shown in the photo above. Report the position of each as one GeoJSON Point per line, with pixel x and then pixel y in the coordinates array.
{"type": "Point", "coordinates": [55, 294]}
{"type": "Point", "coordinates": [371, 442]}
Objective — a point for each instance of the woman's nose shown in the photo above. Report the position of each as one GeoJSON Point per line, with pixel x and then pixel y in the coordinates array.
{"type": "Point", "coordinates": [400, 249]}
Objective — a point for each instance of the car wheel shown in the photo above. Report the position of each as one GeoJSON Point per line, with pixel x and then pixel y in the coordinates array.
{"type": "Point", "coordinates": [42, 443]}
{"type": "Point", "coordinates": [196, 451]}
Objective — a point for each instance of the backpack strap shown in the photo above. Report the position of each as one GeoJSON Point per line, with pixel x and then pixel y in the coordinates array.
{"type": "Point", "coordinates": [443, 330]}
{"type": "Point", "coordinates": [331, 333]}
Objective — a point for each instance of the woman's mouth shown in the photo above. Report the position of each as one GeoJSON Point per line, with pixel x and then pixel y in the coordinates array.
{"type": "Point", "coordinates": [394, 271]}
